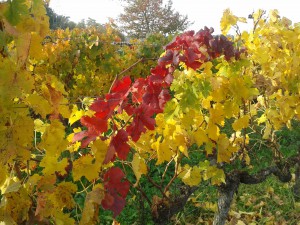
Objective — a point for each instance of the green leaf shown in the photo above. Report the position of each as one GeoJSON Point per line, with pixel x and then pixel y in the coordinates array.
{"type": "Point", "coordinates": [16, 9]}
{"type": "Point", "coordinates": [171, 109]}
{"type": "Point", "coordinates": [205, 88]}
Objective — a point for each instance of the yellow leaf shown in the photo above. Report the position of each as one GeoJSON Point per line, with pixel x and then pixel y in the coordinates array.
{"type": "Point", "coordinates": [87, 101]}
{"type": "Point", "coordinates": [267, 131]}
{"type": "Point", "coordinates": [143, 145]}
{"type": "Point", "coordinates": [61, 218]}
{"type": "Point", "coordinates": [209, 147]}
{"type": "Point", "coordinates": [22, 129]}
{"type": "Point", "coordinates": [224, 154]}
{"type": "Point", "coordinates": [207, 67]}
{"type": "Point", "coordinates": [16, 204]}
{"type": "Point", "coordinates": [242, 19]}
{"type": "Point", "coordinates": [240, 222]}
{"type": "Point", "coordinates": [91, 206]}
{"type": "Point", "coordinates": [206, 102]}
{"type": "Point", "coordinates": [257, 14]}
{"type": "Point", "coordinates": [227, 20]}
{"type": "Point", "coordinates": [89, 113]}
{"type": "Point", "coordinates": [23, 46]}
{"type": "Point", "coordinates": [84, 166]}
{"type": "Point", "coordinates": [213, 131]}
{"type": "Point", "coordinates": [73, 147]}
{"type": "Point", "coordinates": [65, 189]}
{"type": "Point", "coordinates": [51, 165]}
{"type": "Point", "coordinates": [63, 109]}
{"type": "Point", "coordinates": [200, 137]}
{"type": "Point", "coordinates": [230, 109]}
{"type": "Point", "coordinates": [139, 167]}
{"type": "Point", "coordinates": [217, 114]}
{"type": "Point", "coordinates": [217, 175]}
{"type": "Point", "coordinates": [10, 185]}
{"type": "Point", "coordinates": [241, 123]}
{"type": "Point", "coordinates": [262, 119]}
{"type": "Point", "coordinates": [53, 140]}
{"type": "Point", "coordinates": [191, 176]}
{"type": "Point", "coordinates": [164, 153]}
{"type": "Point", "coordinates": [3, 174]}
{"type": "Point", "coordinates": [274, 15]}
{"type": "Point", "coordinates": [99, 148]}
{"type": "Point", "coordinates": [40, 126]}
{"type": "Point", "coordinates": [39, 105]}
{"type": "Point", "coordinates": [75, 115]}
{"type": "Point", "coordinates": [36, 47]}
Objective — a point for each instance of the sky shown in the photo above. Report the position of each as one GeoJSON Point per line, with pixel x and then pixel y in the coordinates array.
{"type": "Point", "coordinates": [202, 13]}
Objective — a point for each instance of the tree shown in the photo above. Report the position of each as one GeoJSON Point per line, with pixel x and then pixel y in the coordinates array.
{"type": "Point", "coordinates": [144, 17]}
{"type": "Point", "coordinates": [58, 21]}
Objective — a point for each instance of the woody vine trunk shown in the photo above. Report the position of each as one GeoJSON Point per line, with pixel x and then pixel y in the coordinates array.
{"type": "Point", "coordinates": [235, 178]}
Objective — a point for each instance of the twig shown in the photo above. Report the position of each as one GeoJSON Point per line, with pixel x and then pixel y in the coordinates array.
{"type": "Point", "coordinates": [124, 71]}
{"type": "Point", "coordinates": [144, 195]}
{"type": "Point", "coordinates": [167, 166]}
{"type": "Point", "coordinates": [175, 175]}
{"type": "Point", "coordinates": [127, 69]}
{"type": "Point", "coordinates": [258, 19]}
{"type": "Point", "coordinates": [137, 187]}
{"type": "Point", "coordinates": [158, 187]}
{"type": "Point", "coordinates": [84, 188]}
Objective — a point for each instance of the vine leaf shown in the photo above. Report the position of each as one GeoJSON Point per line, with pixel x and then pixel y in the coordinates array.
{"type": "Point", "coordinates": [91, 205]}
{"type": "Point", "coordinates": [116, 190]}
{"type": "Point", "coordinates": [139, 167]}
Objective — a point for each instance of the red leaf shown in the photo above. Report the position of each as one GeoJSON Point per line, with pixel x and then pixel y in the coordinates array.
{"type": "Point", "coordinates": [163, 98]}
{"type": "Point", "coordinates": [129, 108]}
{"type": "Point", "coordinates": [104, 109]}
{"type": "Point", "coordinates": [169, 78]}
{"type": "Point", "coordinates": [108, 201]}
{"type": "Point", "coordinates": [116, 190]}
{"type": "Point", "coordinates": [159, 70]}
{"type": "Point", "coordinates": [93, 123]}
{"type": "Point", "coordinates": [118, 145]}
{"type": "Point", "coordinates": [182, 40]}
{"type": "Point", "coordinates": [110, 155]}
{"type": "Point", "coordinates": [171, 57]}
{"type": "Point", "coordinates": [95, 126]}
{"type": "Point", "coordinates": [113, 181]}
{"type": "Point", "coordinates": [121, 86]}
{"type": "Point", "coordinates": [150, 98]}
{"type": "Point", "coordinates": [143, 118]}
{"type": "Point", "coordinates": [79, 136]}
{"type": "Point", "coordinates": [114, 203]}
{"type": "Point", "coordinates": [138, 90]}
{"type": "Point", "coordinates": [91, 137]}
{"type": "Point", "coordinates": [203, 36]}
{"type": "Point", "coordinates": [166, 59]}
{"type": "Point", "coordinates": [156, 97]}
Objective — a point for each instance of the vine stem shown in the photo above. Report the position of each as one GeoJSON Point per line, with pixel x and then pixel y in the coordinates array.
{"type": "Point", "coordinates": [175, 175]}
{"type": "Point", "coordinates": [158, 187]}
{"type": "Point", "coordinates": [127, 69]}
{"type": "Point", "coordinates": [137, 187]}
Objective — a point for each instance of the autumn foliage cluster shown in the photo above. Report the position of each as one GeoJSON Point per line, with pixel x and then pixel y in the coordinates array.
{"type": "Point", "coordinates": [76, 109]}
